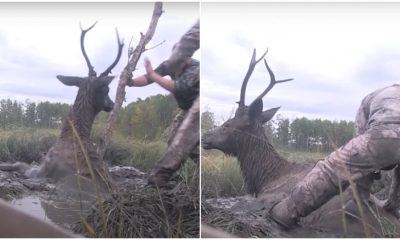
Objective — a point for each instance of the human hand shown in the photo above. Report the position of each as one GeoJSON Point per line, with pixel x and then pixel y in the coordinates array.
{"type": "Point", "coordinates": [147, 65]}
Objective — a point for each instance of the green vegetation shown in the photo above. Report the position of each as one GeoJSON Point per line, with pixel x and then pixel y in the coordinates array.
{"type": "Point", "coordinates": [300, 134]}
{"type": "Point", "coordinates": [29, 129]}
{"type": "Point", "coordinates": [25, 144]}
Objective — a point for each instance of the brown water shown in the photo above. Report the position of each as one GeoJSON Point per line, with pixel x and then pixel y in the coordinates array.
{"type": "Point", "coordinates": [61, 212]}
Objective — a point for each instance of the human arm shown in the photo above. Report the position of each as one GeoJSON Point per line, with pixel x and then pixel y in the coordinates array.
{"type": "Point", "coordinates": [165, 83]}
{"type": "Point", "coordinates": [138, 81]}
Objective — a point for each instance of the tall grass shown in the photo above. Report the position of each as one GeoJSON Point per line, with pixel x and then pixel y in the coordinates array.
{"type": "Point", "coordinates": [220, 176]}
{"type": "Point", "coordinates": [31, 144]}
{"type": "Point", "coordinates": [25, 144]}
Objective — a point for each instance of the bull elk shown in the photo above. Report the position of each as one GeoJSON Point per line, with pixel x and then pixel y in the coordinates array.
{"type": "Point", "coordinates": [269, 176]}
{"type": "Point", "coordinates": [74, 153]}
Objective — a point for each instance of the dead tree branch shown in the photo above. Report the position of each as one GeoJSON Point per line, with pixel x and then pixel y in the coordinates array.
{"type": "Point", "coordinates": [130, 67]}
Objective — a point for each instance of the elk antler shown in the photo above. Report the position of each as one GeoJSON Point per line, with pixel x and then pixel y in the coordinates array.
{"type": "Point", "coordinates": [92, 73]}
{"type": "Point", "coordinates": [120, 46]}
{"type": "Point", "coordinates": [252, 65]}
{"type": "Point", "coordinates": [272, 82]}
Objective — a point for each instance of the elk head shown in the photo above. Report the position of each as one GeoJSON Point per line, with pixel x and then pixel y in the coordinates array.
{"type": "Point", "coordinates": [246, 125]}
{"type": "Point", "coordinates": [93, 89]}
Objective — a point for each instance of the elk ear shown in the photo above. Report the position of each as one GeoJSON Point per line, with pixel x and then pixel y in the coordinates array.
{"type": "Point", "coordinates": [70, 81]}
{"type": "Point", "coordinates": [255, 108]}
{"type": "Point", "coordinates": [268, 114]}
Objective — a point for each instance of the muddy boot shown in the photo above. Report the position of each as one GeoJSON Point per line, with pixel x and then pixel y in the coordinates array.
{"type": "Point", "coordinates": [284, 213]}
{"type": "Point", "coordinates": [309, 194]}
{"type": "Point", "coordinates": [160, 176]}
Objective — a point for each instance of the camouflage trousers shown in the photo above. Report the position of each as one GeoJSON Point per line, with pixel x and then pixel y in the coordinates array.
{"type": "Point", "coordinates": [356, 161]}
{"type": "Point", "coordinates": [194, 154]}
{"type": "Point", "coordinates": [183, 142]}
{"type": "Point", "coordinates": [187, 45]}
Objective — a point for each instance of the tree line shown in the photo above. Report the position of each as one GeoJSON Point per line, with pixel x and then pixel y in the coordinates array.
{"type": "Point", "coordinates": [29, 114]}
{"type": "Point", "coordinates": [143, 119]}
{"type": "Point", "coordinates": [300, 134]}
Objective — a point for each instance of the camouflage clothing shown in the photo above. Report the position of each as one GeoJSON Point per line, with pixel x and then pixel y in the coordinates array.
{"type": "Point", "coordinates": [187, 45]}
{"type": "Point", "coordinates": [187, 84]}
{"type": "Point", "coordinates": [186, 91]}
{"type": "Point", "coordinates": [379, 107]}
{"type": "Point", "coordinates": [375, 146]}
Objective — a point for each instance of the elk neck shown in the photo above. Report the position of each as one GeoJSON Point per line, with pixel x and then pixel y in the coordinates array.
{"type": "Point", "coordinates": [260, 163]}
{"type": "Point", "coordinates": [82, 115]}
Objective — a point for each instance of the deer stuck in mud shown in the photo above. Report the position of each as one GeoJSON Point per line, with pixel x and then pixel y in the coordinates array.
{"type": "Point", "coordinates": [270, 177]}
{"type": "Point", "coordinates": [74, 154]}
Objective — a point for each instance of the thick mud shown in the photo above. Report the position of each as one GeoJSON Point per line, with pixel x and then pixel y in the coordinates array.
{"type": "Point", "coordinates": [244, 216]}
{"type": "Point", "coordinates": [55, 203]}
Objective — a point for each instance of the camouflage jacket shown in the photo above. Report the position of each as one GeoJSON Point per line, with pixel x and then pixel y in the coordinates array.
{"type": "Point", "coordinates": [379, 107]}
{"type": "Point", "coordinates": [187, 84]}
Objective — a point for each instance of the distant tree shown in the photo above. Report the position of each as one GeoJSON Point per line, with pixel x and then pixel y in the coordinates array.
{"type": "Point", "coordinates": [207, 121]}
{"type": "Point", "coordinates": [30, 115]}
{"type": "Point", "coordinates": [282, 131]}
{"type": "Point", "coordinates": [148, 118]}
{"type": "Point", "coordinates": [51, 115]}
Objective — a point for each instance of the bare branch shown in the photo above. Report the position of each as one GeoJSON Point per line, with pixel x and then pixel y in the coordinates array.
{"type": "Point", "coordinates": [157, 45]}
{"type": "Point", "coordinates": [83, 33]}
{"type": "Point", "coordinates": [130, 49]}
{"type": "Point", "coordinates": [130, 67]}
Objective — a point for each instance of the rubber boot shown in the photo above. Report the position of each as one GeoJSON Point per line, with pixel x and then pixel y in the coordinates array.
{"type": "Point", "coordinates": [313, 191]}
{"type": "Point", "coordinates": [285, 213]}
{"type": "Point", "coordinates": [160, 176]}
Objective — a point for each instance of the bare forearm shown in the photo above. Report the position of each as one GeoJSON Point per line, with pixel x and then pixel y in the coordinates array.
{"type": "Point", "coordinates": [138, 81]}
{"type": "Point", "coordinates": [165, 83]}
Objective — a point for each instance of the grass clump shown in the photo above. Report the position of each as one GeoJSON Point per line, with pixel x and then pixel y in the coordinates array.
{"type": "Point", "coordinates": [220, 176]}
{"type": "Point", "coordinates": [147, 212]}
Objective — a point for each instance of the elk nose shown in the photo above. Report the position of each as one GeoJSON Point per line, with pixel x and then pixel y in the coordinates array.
{"type": "Point", "coordinates": [109, 106]}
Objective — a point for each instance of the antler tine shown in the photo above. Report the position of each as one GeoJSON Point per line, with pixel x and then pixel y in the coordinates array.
{"type": "Point", "coordinates": [83, 33]}
{"type": "Point", "coordinates": [120, 46]}
{"type": "Point", "coordinates": [252, 65]}
{"type": "Point", "coordinates": [272, 82]}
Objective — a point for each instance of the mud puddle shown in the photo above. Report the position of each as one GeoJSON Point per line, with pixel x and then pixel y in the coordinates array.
{"type": "Point", "coordinates": [61, 212]}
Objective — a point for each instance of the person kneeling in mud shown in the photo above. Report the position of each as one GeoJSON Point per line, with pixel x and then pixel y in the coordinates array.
{"type": "Point", "coordinates": [184, 85]}
{"type": "Point", "coordinates": [375, 147]}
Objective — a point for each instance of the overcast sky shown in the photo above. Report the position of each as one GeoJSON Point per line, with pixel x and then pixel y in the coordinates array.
{"type": "Point", "coordinates": [337, 53]}
{"type": "Point", "coordinates": [41, 40]}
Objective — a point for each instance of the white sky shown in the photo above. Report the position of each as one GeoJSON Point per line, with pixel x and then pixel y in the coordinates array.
{"type": "Point", "coordinates": [41, 40]}
{"type": "Point", "coordinates": [337, 53]}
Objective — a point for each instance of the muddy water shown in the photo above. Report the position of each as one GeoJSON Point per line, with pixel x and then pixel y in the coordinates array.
{"type": "Point", "coordinates": [60, 212]}
{"type": "Point", "coordinates": [31, 205]}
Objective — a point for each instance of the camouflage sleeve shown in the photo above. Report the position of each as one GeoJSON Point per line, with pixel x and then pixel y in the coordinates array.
{"type": "Point", "coordinates": [187, 45]}
{"type": "Point", "coordinates": [361, 123]}
{"type": "Point", "coordinates": [187, 86]}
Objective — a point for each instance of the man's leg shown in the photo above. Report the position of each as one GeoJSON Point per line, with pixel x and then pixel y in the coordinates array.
{"type": "Point", "coordinates": [187, 45]}
{"type": "Point", "coordinates": [183, 143]}
{"type": "Point", "coordinates": [352, 161]}
{"type": "Point", "coordinates": [317, 187]}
